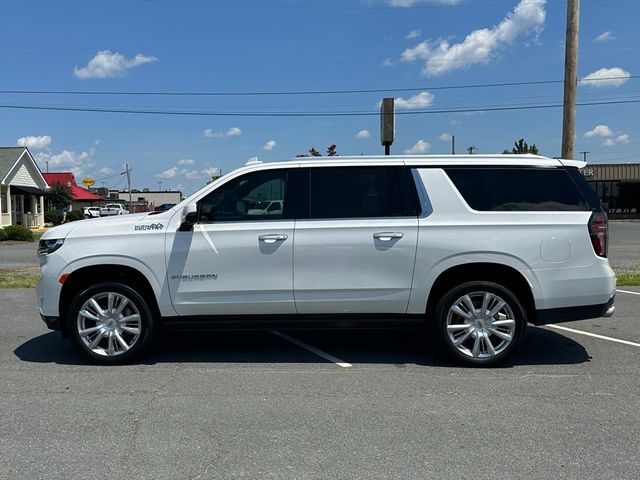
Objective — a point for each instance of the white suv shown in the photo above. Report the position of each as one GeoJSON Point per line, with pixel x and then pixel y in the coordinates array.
{"type": "Point", "coordinates": [476, 246]}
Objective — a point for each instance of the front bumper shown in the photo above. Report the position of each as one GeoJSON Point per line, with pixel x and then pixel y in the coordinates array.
{"type": "Point", "coordinates": [53, 323]}
{"type": "Point", "coordinates": [571, 314]}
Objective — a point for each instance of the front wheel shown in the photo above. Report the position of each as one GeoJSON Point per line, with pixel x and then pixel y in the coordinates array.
{"type": "Point", "coordinates": [480, 323]}
{"type": "Point", "coordinates": [111, 323]}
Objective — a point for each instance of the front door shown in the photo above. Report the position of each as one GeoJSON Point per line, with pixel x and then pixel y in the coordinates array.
{"type": "Point", "coordinates": [355, 253]}
{"type": "Point", "coordinates": [238, 260]}
{"type": "Point", "coordinates": [16, 209]}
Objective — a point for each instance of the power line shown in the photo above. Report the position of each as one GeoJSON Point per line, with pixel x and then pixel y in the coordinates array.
{"type": "Point", "coordinates": [359, 8]}
{"type": "Point", "coordinates": [306, 114]}
{"type": "Point", "coordinates": [304, 92]}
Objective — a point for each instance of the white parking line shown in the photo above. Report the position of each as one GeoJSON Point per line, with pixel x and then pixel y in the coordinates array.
{"type": "Point", "coordinates": [320, 353]}
{"type": "Point", "coordinates": [594, 335]}
{"type": "Point", "coordinates": [627, 291]}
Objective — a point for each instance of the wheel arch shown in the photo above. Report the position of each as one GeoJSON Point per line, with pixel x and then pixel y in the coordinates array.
{"type": "Point", "coordinates": [505, 275]}
{"type": "Point", "coordinates": [86, 276]}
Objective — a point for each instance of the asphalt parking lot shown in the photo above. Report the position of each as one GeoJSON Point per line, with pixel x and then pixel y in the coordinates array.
{"type": "Point", "coordinates": [322, 404]}
{"type": "Point", "coordinates": [257, 405]}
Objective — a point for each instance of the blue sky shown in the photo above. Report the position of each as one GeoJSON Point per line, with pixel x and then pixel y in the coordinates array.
{"type": "Point", "coordinates": [286, 45]}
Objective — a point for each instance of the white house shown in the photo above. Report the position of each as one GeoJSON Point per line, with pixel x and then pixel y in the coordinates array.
{"type": "Point", "coordinates": [22, 188]}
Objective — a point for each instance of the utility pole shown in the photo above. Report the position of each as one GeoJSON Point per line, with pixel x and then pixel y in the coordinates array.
{"type": "Point", "coordinates": [47, 165]}
{"type": "Point", "coordinates": [159, 185]}
{"type": "Point", "coordinates": [570, 78]}
{"type": "Point", "coordinates": [453, 144]}
{"type": "Point", "coordinates": [584, 156]}
{"type": "Point", "coordinates": [127, 172]}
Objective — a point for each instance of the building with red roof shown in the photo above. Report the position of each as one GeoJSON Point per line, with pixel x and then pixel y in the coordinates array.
{"type": "Point", "coordinates": [81, 196]}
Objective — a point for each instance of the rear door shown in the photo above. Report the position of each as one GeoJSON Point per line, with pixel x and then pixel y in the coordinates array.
{"type": "Point", "coordinates": [355, 250]}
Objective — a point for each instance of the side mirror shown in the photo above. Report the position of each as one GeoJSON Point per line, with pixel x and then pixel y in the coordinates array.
{"type": "Point", "coordinates": [188, 217]}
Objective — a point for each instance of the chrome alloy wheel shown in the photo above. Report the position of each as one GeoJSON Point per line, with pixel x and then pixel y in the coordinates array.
{"type": "Point", "coordinates": [109, 324]}
{"type": "Point", "coordinates": [480, 324]}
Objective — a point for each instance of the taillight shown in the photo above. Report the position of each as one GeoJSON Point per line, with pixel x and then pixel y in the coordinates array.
{"type": "Point", "coordinates": [599, 233]}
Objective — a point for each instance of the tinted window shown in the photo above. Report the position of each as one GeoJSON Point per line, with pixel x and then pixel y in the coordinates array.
{"type": "Point", "coordinates": [517, 189]}
{"type": "Point", "coordinates": [355, 192]}
{"type": "Point", "coordinates": [254, 196]}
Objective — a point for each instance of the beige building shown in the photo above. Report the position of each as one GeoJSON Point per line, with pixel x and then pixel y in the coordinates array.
{"type": "Point", "coordinates": [616, 184]}
{"type": "Point", "coordinates": [22, 189]}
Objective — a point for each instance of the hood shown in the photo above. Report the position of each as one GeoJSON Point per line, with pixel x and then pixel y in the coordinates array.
{"type": "Point", "coordinates": [96, 226]}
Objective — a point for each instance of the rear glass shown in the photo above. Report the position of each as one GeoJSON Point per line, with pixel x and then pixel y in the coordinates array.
{"type": "Point", "coordinates": [517, 189]}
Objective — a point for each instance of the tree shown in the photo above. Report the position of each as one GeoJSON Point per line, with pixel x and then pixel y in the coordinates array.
{"type": "Point", "coordinates": [521, 147]}
{"type": "Point", "coordinates": [60, 196]}
{"type": "Point", "coordinates": [331, 152]}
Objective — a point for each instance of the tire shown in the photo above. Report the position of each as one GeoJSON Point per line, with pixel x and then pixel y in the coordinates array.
{"type": "Point", "coordinates": [476, 338]}
{"type": "Point", "coordinates": [113, 339]}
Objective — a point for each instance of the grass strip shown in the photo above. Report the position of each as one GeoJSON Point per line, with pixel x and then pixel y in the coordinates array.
{"type": "Point", "coordinates": [25, 278]}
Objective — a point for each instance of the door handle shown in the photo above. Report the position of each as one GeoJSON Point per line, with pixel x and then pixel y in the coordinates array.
{"type": "Point", "coordinates": [273, 237]}
{"type": "Point", "coordinates": [387, 236]}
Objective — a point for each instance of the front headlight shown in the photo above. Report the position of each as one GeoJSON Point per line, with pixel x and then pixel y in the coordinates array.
{"type": "Point", "coordinates": [45, 247]}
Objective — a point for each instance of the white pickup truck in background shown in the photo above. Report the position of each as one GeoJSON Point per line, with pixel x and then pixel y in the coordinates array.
{"type": "Point", "coordinates": [113, 209]}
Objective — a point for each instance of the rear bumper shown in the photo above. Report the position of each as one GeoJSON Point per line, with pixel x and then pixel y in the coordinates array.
{"type": "Point", "coordinates": [570, 314]}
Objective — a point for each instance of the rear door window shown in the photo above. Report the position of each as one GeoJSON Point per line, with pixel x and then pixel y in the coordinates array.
{"type": "Point", "coordinates": [358, 192]}
{"type": "Point", "coordinates": [517, 189]}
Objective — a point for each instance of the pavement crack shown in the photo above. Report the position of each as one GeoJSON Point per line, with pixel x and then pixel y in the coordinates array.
{"type": "Point", "coordinates": [146, 409]}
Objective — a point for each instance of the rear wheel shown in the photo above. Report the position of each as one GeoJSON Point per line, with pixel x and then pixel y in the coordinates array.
{"type": "Point", "coordinates": [111, 323]}
{"type": "Point", "coordinates": [480, 323]}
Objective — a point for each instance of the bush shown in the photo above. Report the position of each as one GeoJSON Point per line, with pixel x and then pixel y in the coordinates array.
{"type": "Point", "coordinates": [53, 216]}
{"type": "Point", "coordinates": [3, 235]}
{"type": "Point", "coordinates": [74, 215]}
{"type": "Point", "coordinates": [18, 233]}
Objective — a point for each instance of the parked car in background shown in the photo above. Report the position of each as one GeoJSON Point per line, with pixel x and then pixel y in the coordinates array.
{"type": "Point", "coordinates": [113, 209]}
{"type": "Point", "coordinates": [164, 207]}
{"type": "Point", "coordinates": [267, 208]}
{"type": "Point", "coordinates": [91, 212]}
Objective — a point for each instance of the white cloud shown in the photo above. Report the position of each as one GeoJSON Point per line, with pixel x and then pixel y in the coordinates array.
{"type": "Point", "coordinates": [388, 63]}
{"type": "Point", "coordinates": [606, 77]}
{"type": "Point", "coordinates": [169, 173]}
{"type": "Point", "coordinates": [40, 142]}
{"type": "Point", "coordinates": [363, 134]}
{"type": "Point", "coordinates": [410, 3]}
{"type": "Point", "coordinates": [186, 161]}
{"type": "Point", "coordinates": [624, 138]}
{"type": "Point", "coordinates": [481, 45]}
{"type": "Point", "coordinates": [413, 34]}
{"type": "Point", "coordinates": [270, 145]}
{"type": "Point", "coordinates": [420, 147]}
{"type": "Point", "coordinates": [232, 132]}
{"type": "Point", "coordinates": [211, 171]}
{"type": "Point", "coordinates": [105, 171]}
{"type": "Point", "coordinates": [445, 137]}
{"type": "Point", "coordinates": [67, 161]}
{"type": "Point", "coordinates": [193, 175]}
{"type": "Point", "coordinates": [605, 37]}
{"type": "Point", "coordinates": [599, 131]}
{"type": "Point", "coordinates": [108, 64]}
{"type": "Point", "coordinates": [421, 100]}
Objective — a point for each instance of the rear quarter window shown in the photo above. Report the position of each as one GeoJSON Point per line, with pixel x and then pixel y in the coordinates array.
{"type": "Point", "coordinates": [517, 189]}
